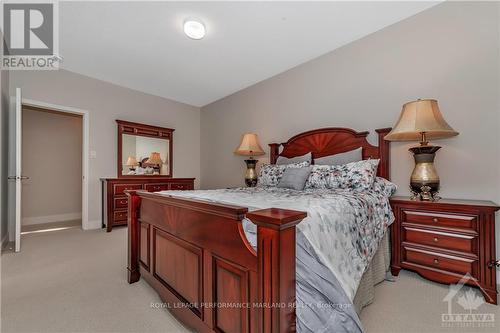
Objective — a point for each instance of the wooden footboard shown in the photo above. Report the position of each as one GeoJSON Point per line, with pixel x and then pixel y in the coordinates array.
{"type": "Point", "coordinates": [196, 256]}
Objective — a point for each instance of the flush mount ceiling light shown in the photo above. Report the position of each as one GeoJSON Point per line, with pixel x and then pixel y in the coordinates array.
{"type": "Point", "coordinates": [194, 29]}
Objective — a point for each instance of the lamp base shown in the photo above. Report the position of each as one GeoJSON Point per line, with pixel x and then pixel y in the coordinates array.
{"type": "Point", "coordinates": [424, 181]}
{"type": "Point", "coordinates": [251, 174]}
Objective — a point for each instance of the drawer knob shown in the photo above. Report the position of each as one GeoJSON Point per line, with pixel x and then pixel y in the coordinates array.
{"type": "Point", "coordinates": [435, 220]}
{"type": "Point", "coordinates": [435, 239]}
{"type": "Point", "coordinates": [436, 261]}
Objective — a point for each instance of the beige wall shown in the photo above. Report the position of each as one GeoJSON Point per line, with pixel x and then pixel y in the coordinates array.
{"type": "Point", "coordinates": [106, 102]}
{"type": "Point", "coordinates": [449, 52]}
{"type": "Point", "coordinates": [52, 158]}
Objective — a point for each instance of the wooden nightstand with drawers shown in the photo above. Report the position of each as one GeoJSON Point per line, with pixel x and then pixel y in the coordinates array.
{"type": "Point", "coordinates": [445, 240]}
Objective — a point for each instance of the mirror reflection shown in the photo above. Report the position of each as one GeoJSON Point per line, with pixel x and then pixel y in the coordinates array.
{"type": "Point", "coordinates": [143, 155]}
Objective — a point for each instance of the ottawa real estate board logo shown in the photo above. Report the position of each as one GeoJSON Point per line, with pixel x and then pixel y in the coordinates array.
{"type": "Point", "coordinates": [30, 31]}
{"type": "Point", "coordinates": [467, 307]}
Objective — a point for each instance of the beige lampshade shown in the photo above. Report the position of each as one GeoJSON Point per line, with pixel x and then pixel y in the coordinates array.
{"type": "Point", "coordinates": [132, 161]}
{"type": "Point", "coordinates": [249, 145]}
{"type": "Point", "coordinates": [418, 117]}
{"type": "Point", "coordinates": [154, 158]}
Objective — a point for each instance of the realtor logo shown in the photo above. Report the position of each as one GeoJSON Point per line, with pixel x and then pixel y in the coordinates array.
{"type": "Point", "coordinates": [469, 300]}
{"type": "Point", "coordinates": [30, 35]}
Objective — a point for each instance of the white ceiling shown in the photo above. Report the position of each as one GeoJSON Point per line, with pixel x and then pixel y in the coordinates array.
{"type": "Point", "coordinates": [141, 45]}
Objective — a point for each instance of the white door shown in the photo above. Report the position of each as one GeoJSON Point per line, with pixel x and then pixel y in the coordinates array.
{"type": "Point", "coordinates": [15, 177]}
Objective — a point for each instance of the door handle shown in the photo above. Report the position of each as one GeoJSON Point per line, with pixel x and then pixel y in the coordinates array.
{"type": "Point", "coordinates": [17, 177]}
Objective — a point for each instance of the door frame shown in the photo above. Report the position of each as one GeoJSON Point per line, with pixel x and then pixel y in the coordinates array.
{"type": "Point", "coordinates": [85, 150]}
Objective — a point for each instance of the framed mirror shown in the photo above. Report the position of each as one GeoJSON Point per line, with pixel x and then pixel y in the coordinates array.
{"type": "Point", "coordinates": [144, 150]}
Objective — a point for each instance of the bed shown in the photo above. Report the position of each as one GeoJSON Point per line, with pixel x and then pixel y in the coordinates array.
{"type": "Point", "coordinates": [222, 264]}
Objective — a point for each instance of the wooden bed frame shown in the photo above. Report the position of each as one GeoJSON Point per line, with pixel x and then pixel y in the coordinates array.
{"type": "Point", "coordinates": [196, 256]}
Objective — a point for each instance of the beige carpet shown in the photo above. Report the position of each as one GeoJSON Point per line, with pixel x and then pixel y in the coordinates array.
{"type": "Point", "coordinates": [75, 281]}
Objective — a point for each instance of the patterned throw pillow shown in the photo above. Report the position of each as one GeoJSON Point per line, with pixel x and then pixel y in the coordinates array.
{"type": "Point", "coordinates": [270, 174]}
{"type": "Point", "coordinates": [318, 178]}
{"type": "Point", "coordinates": [356, 176]}
{"type": "Point", "coordinates": [384, 187]}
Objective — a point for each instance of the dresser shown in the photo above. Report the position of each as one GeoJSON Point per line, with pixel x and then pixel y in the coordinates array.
{"type": "Point", "coordinates": [115, 202]}
{"type": "Point", "coordinates": [445, 240]}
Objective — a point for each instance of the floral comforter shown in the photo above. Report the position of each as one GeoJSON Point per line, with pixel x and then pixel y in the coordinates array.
{"type": "Point", "coordinates": [343, 227]}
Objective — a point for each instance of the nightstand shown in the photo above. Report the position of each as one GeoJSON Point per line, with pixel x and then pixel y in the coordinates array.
{"type": "Point", "coordinates": [445, 240]}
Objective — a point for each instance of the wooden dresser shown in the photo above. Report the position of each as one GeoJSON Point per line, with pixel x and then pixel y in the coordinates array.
{"type": "Point", "coordinates": [445, 240]}
{"type": "Point", "coordinates": [115, 202]}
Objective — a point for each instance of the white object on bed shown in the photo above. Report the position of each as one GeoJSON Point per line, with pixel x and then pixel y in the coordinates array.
{"type": "Point", "coordinates": [350, 156]}
{"type": "Point", "coordinates": [298, 159]}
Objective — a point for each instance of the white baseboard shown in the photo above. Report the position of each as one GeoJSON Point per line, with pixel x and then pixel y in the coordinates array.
{"type": "Point", "coordinates": [51, 218]}
{"type": "Point", "coordinates": [92, 225]}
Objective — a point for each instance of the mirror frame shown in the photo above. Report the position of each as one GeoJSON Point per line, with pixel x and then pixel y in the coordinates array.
{"type": "Point", "coordinates": [127, 127]}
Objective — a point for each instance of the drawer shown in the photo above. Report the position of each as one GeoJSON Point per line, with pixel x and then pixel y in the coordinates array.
{"type": "Point", "coordinates": [121, 202]}
{"type": "Point", "coordinates": [156, 187]}
{"type": "Point", "coordinates": [180, 186]}
{"type": "Point", "coordinates": [120, 215]}
{"type": "Point", "coordinates": [440, 220]}
{"type": "Point", "coordinates": [445, 262]}
{"type": "Point", "coordinates": [445, 240]}
{"type": "Point", "coordinates": [120, 189]}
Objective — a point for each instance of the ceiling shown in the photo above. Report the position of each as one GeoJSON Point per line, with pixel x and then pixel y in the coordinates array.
{"type": "Point", "coordinates": [141, 45]}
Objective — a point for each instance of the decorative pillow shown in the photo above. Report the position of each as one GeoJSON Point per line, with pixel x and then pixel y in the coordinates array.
{"type": "Point", "coordinates": [356, 176]}
{"type": "Point", "coordinates": [354, 155]}
{"type": "Point", "coordinates": [298, 159]}
{"type": "Point", "coordinates": [294, 178]}
{"type": "Point", "coordinates": [318, 178]}
{"type": "Point", "coordinates": [384, 187]}
{"type": "Point", "coordinates": [270, 174]}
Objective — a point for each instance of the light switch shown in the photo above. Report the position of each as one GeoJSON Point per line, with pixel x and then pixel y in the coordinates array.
{"type": "Point", "coordinates": [93, 154]}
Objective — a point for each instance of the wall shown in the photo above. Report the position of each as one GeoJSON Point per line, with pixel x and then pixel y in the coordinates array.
{"type": "Point", "coordinates": [52, 158]}
{"type": "Point", "coordinates": [449, 52]}
{"type": "Point", "coordinates": [498, 143]}
{"type": "Point", "coordinates": [106, 102]}
{"type": "Point", "coordinates": [4, 110]}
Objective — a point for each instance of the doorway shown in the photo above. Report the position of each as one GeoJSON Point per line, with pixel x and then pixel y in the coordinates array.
{"type": "Point", "coordinates": [52, 145]}
{"type": "Point", "coordinates": [16, 178]}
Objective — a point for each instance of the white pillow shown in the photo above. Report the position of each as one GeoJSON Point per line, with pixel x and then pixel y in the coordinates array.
{"type": "Point", "coordinates": [297, 159]}
{"type": "Point", "coordinates": [350, 156]}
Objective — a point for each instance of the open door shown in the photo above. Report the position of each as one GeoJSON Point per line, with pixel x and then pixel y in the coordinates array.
{"type": "Point", "coordinates": [15, 177]}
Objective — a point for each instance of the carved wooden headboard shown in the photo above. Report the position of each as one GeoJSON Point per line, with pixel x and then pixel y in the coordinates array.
{"type": "Point", "coordinates": [334, 140]}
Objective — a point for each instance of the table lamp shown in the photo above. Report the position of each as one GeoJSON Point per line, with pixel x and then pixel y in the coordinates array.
{"type": "Point", "coordinates": [155, 160]}
{"type": "Point", "coordinates": [132, 163]}
{"type": "Point", "coordinates": [421, 120]}
{"type": "Point", "coordinates": [250, 146]}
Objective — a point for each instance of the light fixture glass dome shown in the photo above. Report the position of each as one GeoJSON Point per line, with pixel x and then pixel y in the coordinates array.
{"type": "Point", "coordinates": [194, 29]}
